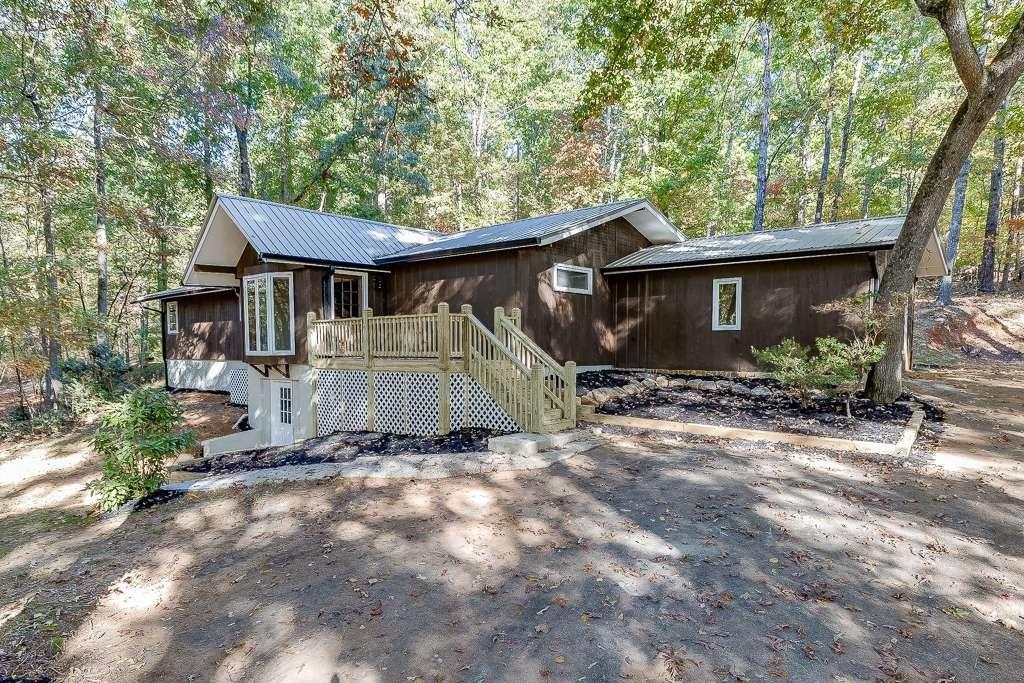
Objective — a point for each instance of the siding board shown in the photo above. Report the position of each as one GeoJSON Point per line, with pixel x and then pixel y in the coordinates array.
{"type": "Point", "coordinates": [208, 328]}
{"type": "Point", "coordinates": [668, 313]}
{"type": "Point", "coordinates": [569, 326]}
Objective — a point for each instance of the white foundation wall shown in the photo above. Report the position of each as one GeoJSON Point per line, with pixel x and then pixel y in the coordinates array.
{"type": "Point", "coordinates": [209, 375]}
{"type": "Point", "coordinates": [301, 379]}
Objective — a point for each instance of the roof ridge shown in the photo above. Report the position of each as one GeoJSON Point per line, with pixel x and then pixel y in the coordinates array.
{"type": "Point", "coordinates": [813, 226]}
{"type": "Point", "coordinates": [326, 213]}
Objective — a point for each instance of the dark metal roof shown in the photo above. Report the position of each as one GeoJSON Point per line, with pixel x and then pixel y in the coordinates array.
{"type": "Point", "coordinates": [178, 292]}
{"type": "Point", "coordinates": [526, 232]}
{"type": "Point", "coordinates": [856, 235]}
{"type": "Point", "coordinates": [291, 232]}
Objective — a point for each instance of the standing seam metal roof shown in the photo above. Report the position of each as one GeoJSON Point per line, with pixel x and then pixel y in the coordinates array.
{"type": "Point", "coordinates": [289, 231]}
{"type": "Point", "coordinates": [826, 237]}
{"type": "Point", "coordinates": [512, 233]}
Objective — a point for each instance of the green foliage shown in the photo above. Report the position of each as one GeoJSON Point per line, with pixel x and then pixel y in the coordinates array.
{"type": "Point", "coordinates": [136, 438]}
{"type": "Point", "coordinates": [835, 367]}
{"type": "Point", "coordinates": [90, 384]}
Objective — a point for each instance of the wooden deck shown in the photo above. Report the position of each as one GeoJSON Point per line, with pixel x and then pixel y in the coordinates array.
{"type": "Point", "coordinates": [537, 392]}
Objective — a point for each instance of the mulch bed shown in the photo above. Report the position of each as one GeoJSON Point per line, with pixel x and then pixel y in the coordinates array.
{"type": "Point", "coordinates": [342, 447]}
{"type": "Point", "coordinates": [779, 411]}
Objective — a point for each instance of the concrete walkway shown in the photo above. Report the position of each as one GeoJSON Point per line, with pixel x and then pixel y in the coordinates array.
{"type": "Point", "coordinates": [405, 466]}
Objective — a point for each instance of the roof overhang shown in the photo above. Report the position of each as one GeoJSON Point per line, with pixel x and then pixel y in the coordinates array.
{"type": "Point", "coordinates": [218, 249]}
{"type": "Point", "coordinates": [643, 216]}
{"type": "Point", "coordinates": [181, 293]}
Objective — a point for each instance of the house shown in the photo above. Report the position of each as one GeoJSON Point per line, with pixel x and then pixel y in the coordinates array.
{"type": "Point", "coordinates": [275, 307]}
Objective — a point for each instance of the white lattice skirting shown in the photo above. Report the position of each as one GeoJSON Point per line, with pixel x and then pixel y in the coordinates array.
{"type": "Point", "coordinates": [208, 375]}
{"type": "Point", "coordinates": [238, 386]}
{"type": "Point", "coordinates": [404, 403]}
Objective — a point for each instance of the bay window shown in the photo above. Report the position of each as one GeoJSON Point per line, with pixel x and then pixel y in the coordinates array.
{"type": "Point", "coordinates": [269, 317]}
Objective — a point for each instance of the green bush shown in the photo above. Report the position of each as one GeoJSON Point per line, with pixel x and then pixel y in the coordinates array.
{"type": "Point", "coordinates": [136, 438]}
{"type": "Point", "coordinates": [835, 367]}
{"type": "Point", "coordinates": [89, 384]}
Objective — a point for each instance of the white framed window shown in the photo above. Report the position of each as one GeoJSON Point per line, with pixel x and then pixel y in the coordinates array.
{"type": "Point", "coordinates": [574, 279]}
{"type": "Point", "coordinates": [350, 294]}
{"type": "Point", "coordinates": [268, 308]}
{"type": "Point", "coordinates": [726, 303]}
{"type": "Point", "coordinates": [172, 317]}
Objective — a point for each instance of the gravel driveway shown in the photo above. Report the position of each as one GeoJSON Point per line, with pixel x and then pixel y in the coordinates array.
{"type": "Point", "coordinates": [647, 559]}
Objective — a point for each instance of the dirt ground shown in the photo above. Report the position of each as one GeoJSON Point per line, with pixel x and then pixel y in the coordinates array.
{"type": "Point", "coordinates": [975, 330]}
{"type": "Point", "coordinates": [651, 558]}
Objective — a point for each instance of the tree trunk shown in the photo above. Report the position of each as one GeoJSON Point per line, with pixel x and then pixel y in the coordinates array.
{"type": "Point", "coordinates": [102, 275]}
{"type": "Point", "coordinates": [844, 146]}
{"type": "Point", "coordinates": [826, 152]}
{"type": "Point", "coordinates": [956, 220]}
{"type": "Point", "coordinates": [986, 273]}
{"type": "Point", "coordinates": [800, 209]}
{"type": "Point", "coordinates": [52, 330]}
{"type": "Point", "coordinates": [1013, 232]}
{"type": "Point", "coordinates": [762, 139]}
{"type": "Point", "coordinates": [977, 109]}
{"type": "Point", "coordinates": [207, 158]}
{"type": "Point", "coordinates": [244, 175]}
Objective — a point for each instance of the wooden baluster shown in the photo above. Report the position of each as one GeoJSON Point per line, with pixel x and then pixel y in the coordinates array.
{"type": "Point", "coordinates": [365, 340]}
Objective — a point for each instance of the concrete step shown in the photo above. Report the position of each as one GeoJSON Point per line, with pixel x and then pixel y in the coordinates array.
{"type": "Point", "coordinates": [525, 443]}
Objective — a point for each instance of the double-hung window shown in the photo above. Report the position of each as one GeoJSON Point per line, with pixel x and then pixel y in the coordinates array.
{"type": "Point", "coordinates": [726, 299]}
{"type": "Point", "coordinates": [172, 317]}
{"type": "Point", "coordinates": [269, 319]}
{"type": "Point", "coordinates": [573, 279]}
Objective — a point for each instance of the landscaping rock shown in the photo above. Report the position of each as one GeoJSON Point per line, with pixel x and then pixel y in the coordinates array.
{"type": "Point", "coordinates": [662, 381]}
{"type": "Point", "coordinates": [588, 399]}
{"type": "Point", "coordinates": [708, 386]}
{"type": "Point", "coordinates": [694, 383]}
{"type": "Point", "coordinates": [649, 383]}
{"type": "Point", "coordinates": [761, 391]}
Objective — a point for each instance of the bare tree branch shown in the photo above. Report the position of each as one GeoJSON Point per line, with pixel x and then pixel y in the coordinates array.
{"type": "Point", "coordinates": [953, 19]}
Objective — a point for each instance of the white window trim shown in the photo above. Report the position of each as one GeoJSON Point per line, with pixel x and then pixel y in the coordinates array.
{"type": "Point", "coordinates": [364, 288]}
{"type": "Point", "coordinates": [578, 269]}
{"type": "Point", "coordinates": [269, 277]}
{"type": "Point", "coordinates": [177, 322]}
{"type": "Point", "coordinates": [738, 281]}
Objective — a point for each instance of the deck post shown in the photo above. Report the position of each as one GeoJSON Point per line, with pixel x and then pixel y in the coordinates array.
{"type": "Point", "coordinates": [364, 342]}
{"type": "Point", "coordinates": [536, 411]}
{"type": "Point", "coordinates": [499, 315]}
{"type": "Point", "coordinates": [570, 392]}
{"type": "Point", "coordinates": [466, 310]}
{"type": "Point", "coordinates": [311, 346]}
{"type": "Point", "coordinates": [444, 347]}
{"type": "Point", "coordinates": [516, 315]}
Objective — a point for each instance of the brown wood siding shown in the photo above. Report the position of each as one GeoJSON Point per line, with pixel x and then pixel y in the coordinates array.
{"type": "Point", "coordinates": [570, 326]}
{"type": "Point", "coordinates": [208, 328]}
{"type": "Point", "coordinates": [662, 319]}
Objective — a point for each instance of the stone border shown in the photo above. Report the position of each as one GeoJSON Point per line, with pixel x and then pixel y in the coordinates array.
{"type": "Point", "coordinates": [900, 449]}
{"type": "Point", "coordinates": [407, 466]}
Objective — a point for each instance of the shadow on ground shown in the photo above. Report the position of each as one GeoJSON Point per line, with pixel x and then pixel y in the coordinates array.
{"type": "Point", "coordinates": [650, 558]}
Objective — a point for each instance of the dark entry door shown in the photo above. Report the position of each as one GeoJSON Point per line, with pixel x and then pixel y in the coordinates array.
{"type": "Point", "coordinates": [346, 296]}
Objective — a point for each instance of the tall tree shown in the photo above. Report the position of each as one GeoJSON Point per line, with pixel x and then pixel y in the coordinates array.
{"type": "Point", "coordinates": [956, 220]}
{"type": "Point", "coordinates": [761, 192]}
{"type": "Point", "coordinates": [844, 146]}
{"type": "Point", "coordinates": [986, 272]}
{"type": "Point", "coordinates": [987, 85]}
{"type": "Point", "coordinates": [826, 151]}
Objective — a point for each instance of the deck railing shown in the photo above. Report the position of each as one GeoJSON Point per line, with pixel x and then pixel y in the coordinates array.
{"type": "Point", "coordinates": [525, 381]}
{"type": "Point", "coordinates": [559, 381]}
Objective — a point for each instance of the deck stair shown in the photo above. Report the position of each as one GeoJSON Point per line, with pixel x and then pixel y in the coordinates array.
{"type": "Point", "coordinates": [538, 393]}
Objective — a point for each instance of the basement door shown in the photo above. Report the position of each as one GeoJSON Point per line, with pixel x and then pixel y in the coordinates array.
{"type": "Point", "coordinates": [281, 432]}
